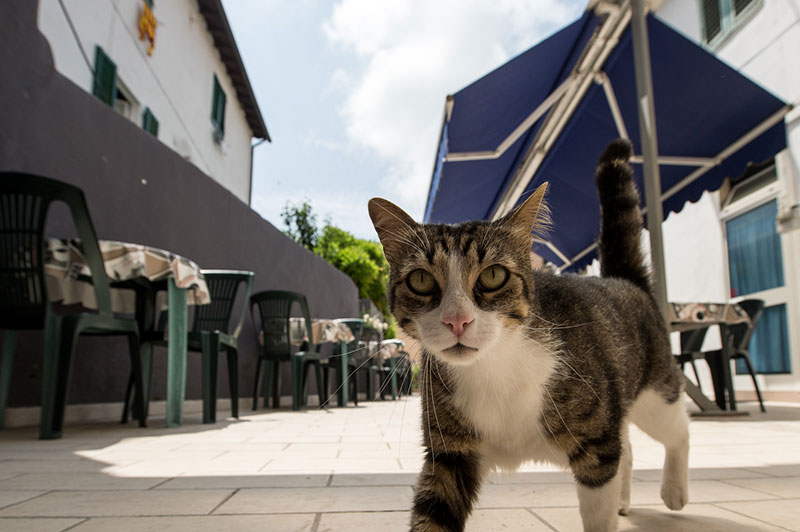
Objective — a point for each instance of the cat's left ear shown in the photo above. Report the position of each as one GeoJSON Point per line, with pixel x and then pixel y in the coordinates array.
{"type": "Point", "coordinates": [533, 215]}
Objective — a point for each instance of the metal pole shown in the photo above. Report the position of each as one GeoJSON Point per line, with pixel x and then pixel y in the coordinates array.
{"type": "Point", "coordinates": [647, 128]}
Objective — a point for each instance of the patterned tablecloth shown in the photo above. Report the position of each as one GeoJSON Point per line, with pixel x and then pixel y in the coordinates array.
{"type": "Point", "coordinates": [686, 316]}
{"type": "Point", "coordinates": [322, 330]}
{"type": "Point", "coordinates": [66, 267]}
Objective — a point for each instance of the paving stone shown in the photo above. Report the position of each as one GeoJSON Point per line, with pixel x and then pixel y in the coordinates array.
{"type": "Point", "coordinates": [210, 523]}
{"type": "Point", "coordinates": [37, 524]}
{"type": "Point", "coordinates": [783, 512]}
{"type": "Point", "coordinates": [344, 499]}
{"type": "Point", "coordinates": [7, 498]}
{"type": "Point", "coordinates": [119, 503]}
{"type": "Point", "coordinates": [347, 522]}
{"type": "Point", "coordinates": [693, 518]}
{"type": "Point", "coordinates": [786, 487]}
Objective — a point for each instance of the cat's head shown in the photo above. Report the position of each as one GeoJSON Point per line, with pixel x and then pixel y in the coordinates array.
{"type": "Point", "coordinates": [458, 288]}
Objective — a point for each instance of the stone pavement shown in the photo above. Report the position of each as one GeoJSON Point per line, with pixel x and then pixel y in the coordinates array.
{"type": "Point", "coordinates": [352, 469]}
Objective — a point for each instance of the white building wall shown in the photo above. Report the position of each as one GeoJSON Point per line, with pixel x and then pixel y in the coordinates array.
{"type": "Point", "coordinates": [764, 48]}
{"type": "Point", "coordinates": [176, 82]}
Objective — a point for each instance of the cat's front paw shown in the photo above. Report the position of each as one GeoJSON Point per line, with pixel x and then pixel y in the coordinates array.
{"type": "Point", "coordinates": [624, 508]}
{"type": "Point", "coordinates": [674, 495]}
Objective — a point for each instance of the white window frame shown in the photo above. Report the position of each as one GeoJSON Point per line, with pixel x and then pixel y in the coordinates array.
{"type": "Point", "coordinates": [729, 21]}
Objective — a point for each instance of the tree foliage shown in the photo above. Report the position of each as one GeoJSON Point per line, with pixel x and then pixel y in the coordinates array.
{"type": "Point", "coordinates": [301, 224]}
{"type": "Point", "coordinates": [362, 260]}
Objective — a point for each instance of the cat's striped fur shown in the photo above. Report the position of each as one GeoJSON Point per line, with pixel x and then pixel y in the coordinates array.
{"type": "Point", "coordinates": [546, 367]}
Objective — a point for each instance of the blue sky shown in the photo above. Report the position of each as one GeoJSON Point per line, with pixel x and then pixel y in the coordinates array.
{"type": "Point", "coordinates": [353, 91]}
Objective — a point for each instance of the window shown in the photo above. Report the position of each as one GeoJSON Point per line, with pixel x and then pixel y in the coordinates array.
{"type": "Point", "coordinates": [754, 251]}
{"type": "Point", "coordinates": [104, 85]}
{"type": "Point", "coordinates": [149, 122]}
{"type": "Point", "coordinates": [218, 110]}
{"type": "Point", "coordinates": [755, 260]}
{"type": "Point", "coordinates": [721, 17]}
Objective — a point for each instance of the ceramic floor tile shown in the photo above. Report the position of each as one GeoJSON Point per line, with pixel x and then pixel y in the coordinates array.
{"type": "Point", "coordinates": [119, 503]}
{"type": "Point", "coordinates": [784, 512]}
{"type": "Point", "coordinates": [786, 487]}
{"type": "Point", "coordinates": [693, 518]}
{"type": "Point", "coordinates": [211, 523]}
{"type": "Point", "coordinates": [387, 479]}
{"type": "Point", "coordinates": [8, 498]}
{"type": "Point", "coordinates": [345, 499]}
{"type": "Point", "coordinates": [259, 480]}
{"type": "Point", "coordinates": [527, 495]}
{"type": "Point", "coordinates": [78, 481]}
{"type": "Point", "coordinates": [45, 524]}
{"type": "Point", "coordinates": [507, 520]}
{"type": "Point", "coordinates": [347, 522]}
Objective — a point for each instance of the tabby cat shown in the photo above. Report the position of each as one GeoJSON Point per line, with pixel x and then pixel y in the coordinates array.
{"type": "Point", "coordinates": [522, 364]}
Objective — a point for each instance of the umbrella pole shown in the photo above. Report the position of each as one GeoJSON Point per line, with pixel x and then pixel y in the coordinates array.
{"type": "Point", "coordinates": [647, 128]}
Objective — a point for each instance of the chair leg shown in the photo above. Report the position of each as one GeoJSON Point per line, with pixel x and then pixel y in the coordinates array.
{"type": "Point", "coordinates": [55, 383]}
{"type": "Point", "coordinates": [297, 376]}
{"type": "Point", "coordinates": [6, 366]}
{"type": "Point", "coordinates": [321, 389]}
{"type": "Point", "coordinates": [257, 384]}
{"type": "Point", "coordinates": [306, 365]}
{"type": "Point", "coordinates": [276, 385]}
{"type": "Point", "coordinates": [210, 345]}
{"type": "Point", "coordinates": [127, 403]}
{"type": "Point", "coordinates": [354, 380]}
{"type": "Point", "coordinates": [233, 380]}
{"type": "Point", "coordinates": [325, 385]}
{"type": "Point", "coordinates": [696, 375]}
{"type": "Point", "coordinates": [138, 379]}
{"type": "Point", "coordinates": [755, 383]}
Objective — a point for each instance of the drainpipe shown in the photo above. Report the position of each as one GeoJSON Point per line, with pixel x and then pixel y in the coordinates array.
{"type": "Point", "coordinates": [250, 193]}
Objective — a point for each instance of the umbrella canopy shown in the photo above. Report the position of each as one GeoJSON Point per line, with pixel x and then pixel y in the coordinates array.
{"type": "Point", "coordinates": [547, 114]}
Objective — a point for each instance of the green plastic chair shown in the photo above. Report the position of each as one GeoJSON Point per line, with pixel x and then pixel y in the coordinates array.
{"type": "Point", "coordinates": [209, 334]}
{"type": "Point", "coordinates": [274, 308]}
{"type": "Point", "coordinates": [24, 204]}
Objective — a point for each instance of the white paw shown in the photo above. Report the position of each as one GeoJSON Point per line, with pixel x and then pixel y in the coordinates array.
{"type": "Point", "coordinates": [624, 509]}
{"type": "Point", "coordinates": [674, 495]}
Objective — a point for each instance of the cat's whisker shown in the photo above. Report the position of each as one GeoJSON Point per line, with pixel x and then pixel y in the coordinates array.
{"type": "Point", "coordinates": [435, 415]}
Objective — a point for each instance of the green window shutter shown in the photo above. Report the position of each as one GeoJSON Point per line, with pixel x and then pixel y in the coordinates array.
{"type": "Point", "coordinates": [149, 122]}
{"type": "Point", "coordinates": [218, 106]}
{"type": "Point", "coordinates": [104, 85]}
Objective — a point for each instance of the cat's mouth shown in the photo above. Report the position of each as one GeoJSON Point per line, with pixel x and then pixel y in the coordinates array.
{"type": "Point", "coordinates": [459, 349]}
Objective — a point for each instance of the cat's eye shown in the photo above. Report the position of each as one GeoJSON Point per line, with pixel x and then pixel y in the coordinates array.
{"type": "Point", "coordinates": [493, 278]}
{"type": "Point", "coordinates": [421, 282]}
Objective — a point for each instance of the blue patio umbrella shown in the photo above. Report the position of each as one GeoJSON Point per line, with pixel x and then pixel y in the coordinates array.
{"type": "Point", "coordinates": [546, 115]}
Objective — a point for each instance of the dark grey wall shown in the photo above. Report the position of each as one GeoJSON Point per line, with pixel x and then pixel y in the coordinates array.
{"type": "Point", "coordinates": [51, 127]}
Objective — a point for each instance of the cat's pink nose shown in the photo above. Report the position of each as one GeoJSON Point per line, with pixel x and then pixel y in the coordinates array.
{"type": "Point", "coordinates": [458, 323]}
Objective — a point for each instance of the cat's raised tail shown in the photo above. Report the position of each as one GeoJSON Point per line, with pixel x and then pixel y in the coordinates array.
{"type": "Point", "coordinates": [620, 231]}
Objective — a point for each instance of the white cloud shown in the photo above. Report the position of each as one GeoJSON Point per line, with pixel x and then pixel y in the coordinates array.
{"type": "Point", "coordinates": [414, 53]}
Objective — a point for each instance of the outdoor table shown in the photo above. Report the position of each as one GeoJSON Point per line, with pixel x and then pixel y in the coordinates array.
{"type": "Point", "coordinates": [326, 331]}
{"type": "Point", "coordinates": [689, 316]}
{"type": "Point", "coordinates": [145, 270]}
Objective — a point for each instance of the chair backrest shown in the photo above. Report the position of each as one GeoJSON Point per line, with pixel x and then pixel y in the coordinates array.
{"type": "Point", "coordinates": [223, 285]}
{"type": "Point", "coordinates": [25, 200]}
{"type": "Point", "coordinates": [742, 332]}
{"type": "Point", "coordinates": [274, 309]}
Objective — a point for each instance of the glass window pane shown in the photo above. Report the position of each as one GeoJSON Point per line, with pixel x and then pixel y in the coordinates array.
{"type": "Point", "coordinates": [754, 251]}
{"type": "Point", "coordinates": [769, 346]}
{"type": "Point", "coordinates": [711, 19]}
{"type": "Point", "coordinates": [740, 5]}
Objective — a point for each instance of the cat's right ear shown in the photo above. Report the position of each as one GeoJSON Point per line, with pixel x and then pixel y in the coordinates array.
{"type": "Point", "coordinates": [393, 224]}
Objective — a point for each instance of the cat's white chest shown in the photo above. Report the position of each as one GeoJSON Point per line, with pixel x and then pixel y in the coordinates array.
{"type": "Point", "coordinates": [502, 395]}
